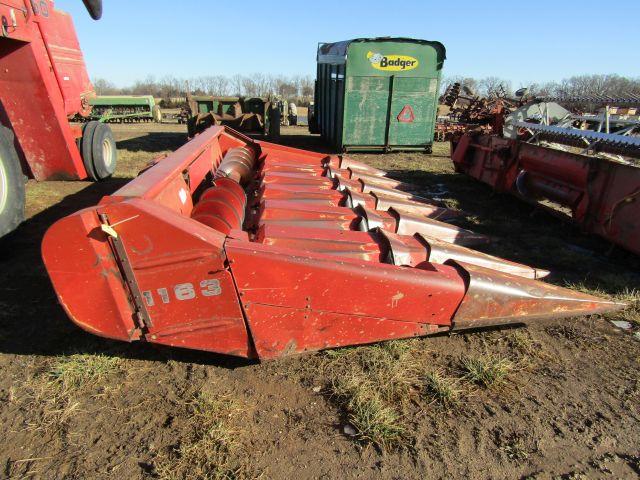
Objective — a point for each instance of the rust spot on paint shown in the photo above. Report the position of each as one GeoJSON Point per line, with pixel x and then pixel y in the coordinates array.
{"type": "Point", "coordinates": [396, 298]}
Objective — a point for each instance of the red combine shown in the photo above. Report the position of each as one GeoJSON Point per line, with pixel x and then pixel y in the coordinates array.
{"type": "Point", "coordinates": [43, 84]}
{"type": "Point", "coordinates": [257, 250]}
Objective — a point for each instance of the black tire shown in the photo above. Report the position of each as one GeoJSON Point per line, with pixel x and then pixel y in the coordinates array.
{"type": "Point", "coordinates": [99, 152]}
{"type": "Point", "coordinates": [86, 148]}
{"type": "Point", "coordinates": [12, 192]}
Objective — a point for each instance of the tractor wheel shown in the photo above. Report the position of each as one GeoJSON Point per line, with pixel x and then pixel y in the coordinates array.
{"type": "Point", "coordinates": [12, 196]}
{"type": "Point", "coordinates": [98, 150]}
{"type": "Point", "coordinates": [157, 114]}
{"type": "Point", "coordinates": [86, 150]}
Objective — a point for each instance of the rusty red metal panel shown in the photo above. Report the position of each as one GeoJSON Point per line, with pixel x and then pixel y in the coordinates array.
{"type": "Point", "coordinates": [321, 183]}
{"type": "Point", "coordinates": [603, 195]}
{"type": "Point", "coordinates": [198, 156]}
{"type": "Point", "coordinates": [299, 274]}
{"type": "Point", "coordinates": [416, 208]}
{"type": "Point", "coordinates": [376, 189]}
{"type": "Point", "coordinates": [178, 265]}
{"type": "Point", "coordinates": [63, 49]}
{"type": "Point", "coordinates": [20, 12]}
{"type": "Point", "coordinates": [322, 283]}
{"type": "Point", "coordinates": [338, 172]}
{"type": "Point", "coordinates": [294, 156]}
{"type": "Point", "coordinates": [316, 171]}
{"type": "Point", "coordinates": [361, 167]}
{"type": "Point", "coordinates": [279, 332]}
{"type": "Point", "coordinates": [343, 243]}
{"type": "Point", "coordinates": [408, 224]}
{"type": "Point", "coordinates": [355, 199]}
{"type": "Point", "coordinates": [306, 194]}
{"type": "Point", "coordinates": [88, 281]}
{"type": "Point", "coordinates": [383, 182]}
{"type": "Point", "coordinates": [44, 81]}
{"type": "Point", "coordinates": [442, 252]}
{"type": "Point", "coordinates": [302, 214]}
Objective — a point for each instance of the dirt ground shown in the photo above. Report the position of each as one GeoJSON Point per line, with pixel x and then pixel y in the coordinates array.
{"type": "Point", "coordinates": [559, 400]}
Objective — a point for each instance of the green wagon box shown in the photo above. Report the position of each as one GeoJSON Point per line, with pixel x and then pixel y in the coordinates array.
{"type": "Point", "coordinates": [377, 94]}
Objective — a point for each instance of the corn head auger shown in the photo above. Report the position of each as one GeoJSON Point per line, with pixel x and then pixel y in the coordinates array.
{"type": "Point", "coordinates": [257, 250]}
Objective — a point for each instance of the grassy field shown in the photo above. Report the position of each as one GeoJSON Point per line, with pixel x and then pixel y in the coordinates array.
{"type": "Point", "coordinates": [558, 400]}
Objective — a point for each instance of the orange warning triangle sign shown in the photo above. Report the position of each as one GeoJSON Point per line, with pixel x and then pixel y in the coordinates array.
{"type": "Point", "coordinates": [406, 115]}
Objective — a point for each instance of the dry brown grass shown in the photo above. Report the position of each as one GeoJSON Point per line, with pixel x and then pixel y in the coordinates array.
{"type": "Point", "coordinates": [525, 352]}
{"type": "Point", "coordinates": [444, 390]}
{"type": "Point", "coordinates": [489, 371]}
{"type": "Point", "coordinates": [374, 384]}
{"type": "Point", "coordinates": [210, 451]}
{"type": "Point", "coordinates": [52, 395]}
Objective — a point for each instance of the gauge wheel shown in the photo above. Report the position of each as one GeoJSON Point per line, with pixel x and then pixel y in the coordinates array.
{"type": "Point", "coordinates": [99, 152]}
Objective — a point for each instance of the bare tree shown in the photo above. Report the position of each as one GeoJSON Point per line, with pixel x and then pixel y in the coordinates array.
{"type": "Point", "coordinates": [306, 88]}
{"type": "Point", "coordinates": [236, 84]}
{"type": "Point", "coordinates": [468, 84]}
{"type": "Point", "coordinates": [285, 87]}
{"type": "Point", "coordinates": [300, 88]}
{"type": "Point", "coordinates": [104, 87]}
{"type": "Point", "coordinates": [221, 85]}
{"type": "Point", "coordinates": [585, 85]}
{"type": "Point", "coordinates": [261, 84]}
{"type": "Point", "coordinates": [249, 87]}
{"type": "Point", "coordinates": [494, 87]}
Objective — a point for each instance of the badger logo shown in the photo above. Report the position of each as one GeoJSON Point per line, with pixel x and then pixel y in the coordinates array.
{"type": "Point", "coordinates": [375, 57]}
{"type": "Point", "coordinates": [393, 63]}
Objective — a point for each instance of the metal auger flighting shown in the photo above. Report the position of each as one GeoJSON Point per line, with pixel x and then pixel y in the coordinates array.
{"type": "Point", "coordinates": [601, 141]}
{"type": "Point", "coordinates": [595, 99]}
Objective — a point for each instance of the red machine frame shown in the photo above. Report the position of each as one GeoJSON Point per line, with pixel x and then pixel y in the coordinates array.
{"type": "Point", "coordinates": [257, 250]}
{"type": "Point", "coordinates": [603, 195]}
{"type": "Point", "coordinates": [44, 82]}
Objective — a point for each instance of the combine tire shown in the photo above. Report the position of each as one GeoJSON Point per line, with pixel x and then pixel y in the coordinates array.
{"type": "Point", "coordinates": [98, 150]}
{"type": "Point", "coordinates": [12, 195]}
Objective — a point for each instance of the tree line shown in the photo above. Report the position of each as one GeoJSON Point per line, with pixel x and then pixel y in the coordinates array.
{"type": "Point", "coordinates": [608, 84]}
{"type": "Point", "coordinates": [296, 88]}
{"type": "Point", "coordinates": [299, 88]}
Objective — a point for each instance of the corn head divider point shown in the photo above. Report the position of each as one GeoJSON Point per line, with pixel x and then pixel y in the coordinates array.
{"type": "Point", "coordinates": [257, 250]}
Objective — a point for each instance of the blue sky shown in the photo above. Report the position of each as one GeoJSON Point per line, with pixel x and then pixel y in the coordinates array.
{"type": "Point", "coordinates": [516, 40]}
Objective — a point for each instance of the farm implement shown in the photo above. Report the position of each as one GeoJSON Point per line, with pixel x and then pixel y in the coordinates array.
{"type": "Point", "coordinates": [255, 115]}
{"type": "Point", "coordinates": [125, 108]}
{"type": "Point", "coordinates": [44, 84]}
{"type": "Point", "coordinates": [257, 250]}
{"type": "Point", "coordinates": [581, 167]}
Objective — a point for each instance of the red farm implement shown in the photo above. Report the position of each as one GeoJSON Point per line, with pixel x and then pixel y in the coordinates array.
{"type": "Point", "coordinates": [257, 250]}
{"type": "Point", "coordinates": [44, 83]}
{"type": "Point", "coordinates": [587, 176]}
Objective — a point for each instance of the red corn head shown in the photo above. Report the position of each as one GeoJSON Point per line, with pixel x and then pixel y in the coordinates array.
{"type": "Point", "coordinates": [257, 250]}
